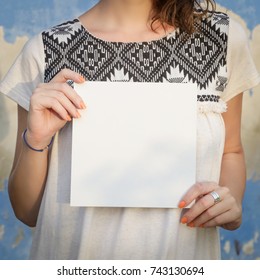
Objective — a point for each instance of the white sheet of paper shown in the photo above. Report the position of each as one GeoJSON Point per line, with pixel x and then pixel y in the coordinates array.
{"type": "Point", "coordinates": [135, 144]}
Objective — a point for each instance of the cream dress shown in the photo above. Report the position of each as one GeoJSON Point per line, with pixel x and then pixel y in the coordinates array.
{"type": "Point", "coordinates": [218, 60]}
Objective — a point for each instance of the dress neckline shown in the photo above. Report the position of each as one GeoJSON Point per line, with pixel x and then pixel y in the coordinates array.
{"type": "Point", "coordinates": [165, 37]}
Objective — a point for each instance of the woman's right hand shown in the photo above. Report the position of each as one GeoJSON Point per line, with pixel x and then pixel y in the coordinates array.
{"type": "Point", "coordinates": [52, 105]}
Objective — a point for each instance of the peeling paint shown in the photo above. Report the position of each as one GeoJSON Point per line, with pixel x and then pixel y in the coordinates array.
{"type": "Point", "coordinates": [8, 115]}
{"type": "Point", "coordinates": [251, 117]}
{"type": "Point", "coordinates": [5, 164]}
{"type": "Point", "coordinates": [19, 238]}
{"type": "Point", "coordinates": [248, 247]}
{"type": "Point", "coordinates": [226, 247]}
{"type": "Point", "coordinates": [9, 51]}
{"type": "Point", "coordinates": [2, 231]}
{"type": "Point", "coordinates": [237, 246]}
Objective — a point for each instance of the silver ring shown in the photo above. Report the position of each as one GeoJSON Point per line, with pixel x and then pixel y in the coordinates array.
{"type": "Point", "coordinates": [215, 196]}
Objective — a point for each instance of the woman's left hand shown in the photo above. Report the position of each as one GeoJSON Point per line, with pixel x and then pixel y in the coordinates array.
{"type": "Point", "coordinates": [206, 211]}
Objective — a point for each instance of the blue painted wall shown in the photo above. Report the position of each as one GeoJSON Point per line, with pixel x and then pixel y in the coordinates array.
{"type": "Point", "coordinates": [28, 17]}
{"type": "Point", "coordinates": [249, 10]}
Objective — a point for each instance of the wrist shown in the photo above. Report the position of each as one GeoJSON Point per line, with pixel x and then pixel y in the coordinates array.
{"type": "Point", "coordinates": [37, 145]}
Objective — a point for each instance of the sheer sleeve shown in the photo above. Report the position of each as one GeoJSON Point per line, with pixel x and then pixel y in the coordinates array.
{"type": "Point", "coordinates": [26, 73]}
{"type": "Point", "coordinates": [242, 72]}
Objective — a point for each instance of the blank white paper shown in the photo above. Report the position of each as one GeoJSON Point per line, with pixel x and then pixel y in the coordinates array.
{"type": "Point", "coordinates": [134, 145]}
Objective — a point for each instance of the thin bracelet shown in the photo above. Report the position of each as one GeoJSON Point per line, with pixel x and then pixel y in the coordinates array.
{"type": "Point", "coordinates": [36, 150]}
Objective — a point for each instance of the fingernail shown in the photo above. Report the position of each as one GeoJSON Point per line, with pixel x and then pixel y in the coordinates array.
{"type": "Point", "coordinates": [191, 224]}
{"type": "Point", "coordinates": [184, 220]}
{"type": "Point", "coordinates": [82, 79]}
{"type": "Point", "coordinates": [182, 204]}
{"type": "Point", "coordinates": [201, 226]}
{"type": "Point", "coordinates": [68, 118]}
{"type": "Point", "coordinates": [82, 105]}
{"type": "Point", "coordinates": [78, 114]}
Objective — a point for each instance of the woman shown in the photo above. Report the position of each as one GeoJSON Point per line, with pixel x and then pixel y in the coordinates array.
{"type": "Point", "coordinates": [189, 44]}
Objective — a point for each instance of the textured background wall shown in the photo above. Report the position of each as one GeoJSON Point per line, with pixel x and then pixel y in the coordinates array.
{"type": "Point", "coordinates": [19, 20]}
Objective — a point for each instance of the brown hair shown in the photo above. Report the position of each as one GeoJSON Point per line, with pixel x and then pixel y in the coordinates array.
{"type": "Point", "coordinates": [182, 14]}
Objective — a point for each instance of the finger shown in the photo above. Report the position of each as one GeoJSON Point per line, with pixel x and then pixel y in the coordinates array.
{"type": "Point", "coordinates": [228, 204]}
{"type": "Point", "coordinates": [47, 98]}
{"type": "Point", "coordinates": [202, 206]}
{"type": "Point", "coordinates": [196, 191]}
{"type": "Point", "coordinates": [66, 90]}
{"type": "Point", "coordinates": [219, 220]}
{"type": "Point", "coordinates": [67, 74]}
{"type": "Point", "coordinates": [66, 104]}
{"type": "Point", "coordinates": [210, 213]}
{"type": "Point", "coordinates": [55, 107]}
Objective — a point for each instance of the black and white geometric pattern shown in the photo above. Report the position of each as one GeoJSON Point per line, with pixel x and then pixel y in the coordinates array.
{"type": "Point", "coordinates": [176, 58]}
